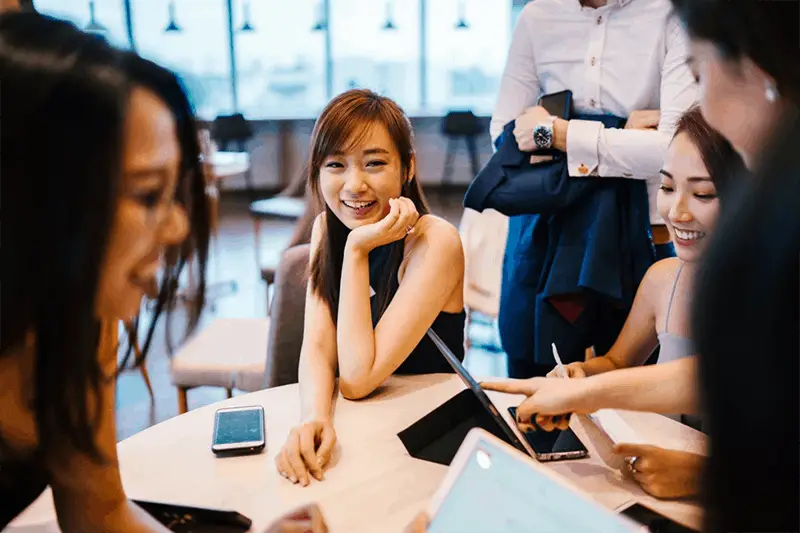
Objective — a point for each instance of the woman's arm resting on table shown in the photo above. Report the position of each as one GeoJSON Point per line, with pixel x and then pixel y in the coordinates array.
{"type": "Point", "coordinates": [366, 356]}
{"type": "Point", "coordinates": [308, 447]}
{"type": "Point", "coordinates": [317, 368]}
{"type": "Point", "coordinates": [88, 494]}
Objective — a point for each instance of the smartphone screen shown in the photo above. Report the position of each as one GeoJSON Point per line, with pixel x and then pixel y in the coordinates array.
{"type": "Point", "coordinates": [653, 521]}
{"type": "Point", "coordinates": [238, 426]}
{"type": "Point", "coordinates": [557, 104]}
{"type": "Point", "coordinates": [496, 493]}
{"type": "Point", "coordinates": [549, 444]}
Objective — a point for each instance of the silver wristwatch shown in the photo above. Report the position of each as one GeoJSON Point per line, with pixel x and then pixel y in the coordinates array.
{"type": "Point", "coordinates": [543, 134]}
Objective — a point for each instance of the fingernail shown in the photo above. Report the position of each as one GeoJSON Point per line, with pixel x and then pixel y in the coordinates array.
{"type": "Point", "coordinates": [293, 479]}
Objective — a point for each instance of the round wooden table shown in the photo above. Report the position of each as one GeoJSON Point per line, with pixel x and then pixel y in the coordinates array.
{"type": "Point", "coordinates": [372, 483]}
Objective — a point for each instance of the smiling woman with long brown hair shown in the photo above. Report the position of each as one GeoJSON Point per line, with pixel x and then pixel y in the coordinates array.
{"type": "Point", "coordinates": [383, 271]}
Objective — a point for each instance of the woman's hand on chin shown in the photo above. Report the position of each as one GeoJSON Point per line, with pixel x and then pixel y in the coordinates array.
{"type": "Point", "coordinates": [306, 452]}
{"type": "Point", "coordinates": [398, 223]}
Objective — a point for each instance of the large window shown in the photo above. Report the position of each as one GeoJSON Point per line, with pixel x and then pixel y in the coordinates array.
{"type": "Point", "coordinates": [287, 58]}
{"type": "Point", "coordinates": [467, 43]}
{"type": "Point", "coordinates": [104, 17]}
{"type": "Point", "coordinates": [280, 58]}
{"type": "Point", "coordinates": [190, 37]}
{"type": "Point", "coordinates": [376, 44]}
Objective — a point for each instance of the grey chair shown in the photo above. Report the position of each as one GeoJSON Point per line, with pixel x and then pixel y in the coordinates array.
{"type": "Point", "coordinates": [287, 317]}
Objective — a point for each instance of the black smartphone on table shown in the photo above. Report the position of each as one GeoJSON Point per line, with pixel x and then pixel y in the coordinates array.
{"type": "Point", "coordinates": [556, 445]}
{"type": "Point", "coordinates": [239, 431]}
{"type": "Point", "coordinates": [652, 521]}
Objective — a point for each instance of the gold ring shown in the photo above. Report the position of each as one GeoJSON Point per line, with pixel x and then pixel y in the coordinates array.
{"type": "Point", "coordinates": [632, 464]}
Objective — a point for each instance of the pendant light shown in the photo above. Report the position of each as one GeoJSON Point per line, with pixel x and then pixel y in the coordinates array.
{"type": "Point", "coordinates": [389, 24]}
{"type": "Point", "coordinates": [94, 26]}
{"type": "Point", "coordinates": [172, 26]}
{"type": "Point", "coordinates": [462, 23]}
{"type": "Point", "coordinates": [322, 23]}
{"type": "Point", "coordinates": [246, 26]}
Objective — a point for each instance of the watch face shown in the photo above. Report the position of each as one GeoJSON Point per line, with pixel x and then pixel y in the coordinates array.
{"type": "Point", "coordinates": [543, 137]}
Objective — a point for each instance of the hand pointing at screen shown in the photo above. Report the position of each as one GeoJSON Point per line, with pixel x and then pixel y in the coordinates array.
{"type": "Point", "coordinates": [549, 400]}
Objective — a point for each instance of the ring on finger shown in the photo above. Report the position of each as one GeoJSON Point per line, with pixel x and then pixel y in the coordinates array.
{"type": "Point", "coordinates": [631, 461]}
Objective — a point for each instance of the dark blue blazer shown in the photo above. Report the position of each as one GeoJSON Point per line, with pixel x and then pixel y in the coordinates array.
{"type": "Point", "coordinates": [566, 236]}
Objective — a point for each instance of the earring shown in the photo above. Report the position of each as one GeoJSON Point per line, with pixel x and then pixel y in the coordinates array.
{"type": "Point", "coordinates": [771, 92]}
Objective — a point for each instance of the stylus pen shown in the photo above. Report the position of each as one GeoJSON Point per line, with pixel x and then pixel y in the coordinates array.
{"type": "Point", "coordinates": [559, 363]}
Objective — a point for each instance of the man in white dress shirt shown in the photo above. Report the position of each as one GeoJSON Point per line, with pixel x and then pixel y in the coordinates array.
{"type": "Point", "coordinates": [620, 57]}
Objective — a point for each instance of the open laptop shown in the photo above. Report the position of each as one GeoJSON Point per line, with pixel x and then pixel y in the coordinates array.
{"type": "Point", "coordinates": [492, 488]}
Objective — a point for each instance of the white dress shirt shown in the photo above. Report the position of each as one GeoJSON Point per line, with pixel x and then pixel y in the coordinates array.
{"type": "Point", "coordinates": [628, 55]}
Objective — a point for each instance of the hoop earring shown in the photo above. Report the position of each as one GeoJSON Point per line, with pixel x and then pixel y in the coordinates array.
{"type": "Point", "coordinates": [771, 93]}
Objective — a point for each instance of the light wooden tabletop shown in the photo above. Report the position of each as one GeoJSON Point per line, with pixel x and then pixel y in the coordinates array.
{"type": "Point", "coordinates": [372, 484]}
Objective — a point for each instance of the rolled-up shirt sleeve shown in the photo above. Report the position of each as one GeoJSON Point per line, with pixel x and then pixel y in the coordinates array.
{"type": "Point", "coordinates": [519, 86]}
{"type": "Point", "coordinates": [593, 150]}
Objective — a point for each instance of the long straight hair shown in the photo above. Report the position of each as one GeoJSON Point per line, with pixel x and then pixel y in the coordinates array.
{"type": "Point", "coordinates": [344, 123]}
{"type": "Point", "coordinates": [65, 98]}
{"type": "Point", "coordinates": [190, 194]}
{"type": "Point", "coordinates": [746, 324]}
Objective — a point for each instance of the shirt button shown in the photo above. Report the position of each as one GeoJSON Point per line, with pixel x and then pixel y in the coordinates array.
{"type": "Point", "coordinates": [599, 20]}
{"type": "Point", "coordinates": [592, 102]}
{"type": "Point", "coordinates": [594, 60]}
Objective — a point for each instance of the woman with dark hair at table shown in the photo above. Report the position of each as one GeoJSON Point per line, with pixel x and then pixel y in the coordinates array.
{"type": "Point", "coordinates": [104, 197]}
{"type": "Point", "coordinates": [383, 271]}
{"type": "Point", "coordinates": [695, 177]}
{"type": "Point", "coordinates": [101, 178]}
{"type": "Point", "coordinates": [747, 309]}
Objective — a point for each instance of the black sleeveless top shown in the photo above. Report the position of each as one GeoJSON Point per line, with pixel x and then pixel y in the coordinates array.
{"type": "Point", "coordinates": [425, 358]}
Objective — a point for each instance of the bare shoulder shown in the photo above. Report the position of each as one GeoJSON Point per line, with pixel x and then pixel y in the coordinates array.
{"type": "Point", "coordinates": [434, 233]}
{"type": "Point", "coordinates": [661, 274]}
